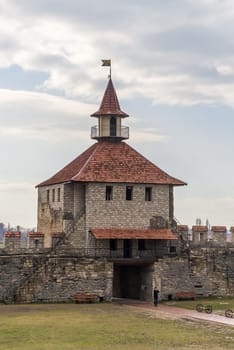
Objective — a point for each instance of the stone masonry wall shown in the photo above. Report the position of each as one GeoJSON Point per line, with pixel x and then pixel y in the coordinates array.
{"type": "Point", "coordinates": [205, 272]}
{"type": "Point", "coordinates": [55, 278]}
{"type": "Point", "coordinates": [58, 277]}
{"type": "Point", "coordinates": [50, 211]}
{"type": "Point", "coordinates": [122, 213]}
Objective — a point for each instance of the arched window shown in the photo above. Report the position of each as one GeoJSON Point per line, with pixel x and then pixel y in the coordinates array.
{"type": "Point", "coordinates": [113, 126]}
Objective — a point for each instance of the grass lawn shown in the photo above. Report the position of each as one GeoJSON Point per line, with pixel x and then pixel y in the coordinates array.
{"type": "Point", "coordinates": [101, 327]}
{"type": "Point", "coordinates": [217, 303]}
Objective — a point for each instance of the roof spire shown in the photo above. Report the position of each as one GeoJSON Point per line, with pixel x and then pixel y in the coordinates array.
{"type": "Point", "coordinates": [109, 115]}
{"type": "Point", "coordinates": [110, 104]}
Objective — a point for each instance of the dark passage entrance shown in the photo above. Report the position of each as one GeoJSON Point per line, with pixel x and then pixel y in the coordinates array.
{"type": "Point", "coordinates": [133, 282]}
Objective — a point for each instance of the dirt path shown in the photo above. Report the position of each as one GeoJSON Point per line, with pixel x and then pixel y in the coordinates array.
{"type": "Point", "coordinates": [171, 312]}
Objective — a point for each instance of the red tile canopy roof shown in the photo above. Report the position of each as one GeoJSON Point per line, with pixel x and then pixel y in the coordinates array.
{"type": "Point", "coordinates": [110, 104]}
{"type": "Point", "coordinates": [199, 228]}
{"type": "Point", "coordinates": [114, 233]}
{"type": "Point", "coordinates": [12, 234]}
{"type": "Point", "coordinates": [113, 162]}
{"type": "Point", "coordinates": [219, 228]}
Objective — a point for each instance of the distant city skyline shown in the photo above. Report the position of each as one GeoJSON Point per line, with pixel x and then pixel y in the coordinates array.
{"type": "Point", "coordinates": [172, 68]}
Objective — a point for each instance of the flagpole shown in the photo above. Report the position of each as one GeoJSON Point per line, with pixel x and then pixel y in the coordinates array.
{"type": "Point", "coordinates": [107, 63]}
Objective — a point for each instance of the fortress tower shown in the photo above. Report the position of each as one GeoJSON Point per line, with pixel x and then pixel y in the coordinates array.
{"type": "Point", "coordinates": [110, 201]}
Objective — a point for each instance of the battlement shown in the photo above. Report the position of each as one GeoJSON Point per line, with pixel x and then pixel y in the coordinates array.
{"type": "Point", "coordinates": [198, 234]}
{"type": "Point", "coordinates": [220, 235]}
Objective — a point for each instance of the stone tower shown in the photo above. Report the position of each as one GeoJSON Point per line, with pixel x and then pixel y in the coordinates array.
{"type": "Point", "coordinates": [109, 192]}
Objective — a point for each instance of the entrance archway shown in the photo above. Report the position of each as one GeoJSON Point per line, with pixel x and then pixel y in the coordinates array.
{"type": "Point", "coordinates": [133, 282]}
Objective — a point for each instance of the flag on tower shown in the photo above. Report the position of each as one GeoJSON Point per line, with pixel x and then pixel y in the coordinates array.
{"type": "Point", "coordinates": [106, 63]}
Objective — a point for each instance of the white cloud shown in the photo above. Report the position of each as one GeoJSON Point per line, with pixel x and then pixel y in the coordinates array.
{"type": "Point", "coordinates": [147, 135]}
{"type": "Point", "coordinates": [37, 115]}
{"type": "Point", "coordinates": [155, 47]}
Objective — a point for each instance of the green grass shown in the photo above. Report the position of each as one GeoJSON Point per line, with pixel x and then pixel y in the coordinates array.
{"type": "Point", "coordinates": [101, 327]}
{"type": "Point", "coordinates": [217, 303]}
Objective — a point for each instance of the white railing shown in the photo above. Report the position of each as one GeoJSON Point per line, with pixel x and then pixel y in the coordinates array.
{"type": "Point", "coordinates": [124, 132]}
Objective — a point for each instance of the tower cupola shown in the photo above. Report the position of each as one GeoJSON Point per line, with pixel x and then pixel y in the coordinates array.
{"type": "Point", "coordinates": [110, 118]}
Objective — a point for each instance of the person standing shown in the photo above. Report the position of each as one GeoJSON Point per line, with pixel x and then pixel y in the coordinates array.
{"type": "Point", "coordinates": [156, 291]}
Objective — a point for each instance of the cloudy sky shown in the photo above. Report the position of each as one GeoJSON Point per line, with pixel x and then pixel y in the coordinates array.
{"type": "Point", "coordinates": [172, 67]}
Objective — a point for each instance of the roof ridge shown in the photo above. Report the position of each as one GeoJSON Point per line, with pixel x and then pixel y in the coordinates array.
{"type": "Point", "coordinates": [87, 161]}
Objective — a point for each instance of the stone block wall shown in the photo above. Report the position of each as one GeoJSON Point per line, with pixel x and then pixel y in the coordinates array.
{"type": "Point", "coordinates": [54, 278]}
{"type": "Point", "coordinates": [199, 234]}
{"type": "Point", "coordinates": [219, 234]}
{"type": "Point", "coordinates": [12, 240]}
{"type": "Point", "coordinates": [204, 272]}
{"type": "Point", "coordinates": [35, 240]}
{"type": "Point", "coordinates": [50, 211]}
{"type": "Point", "coordinates": [122, 213]}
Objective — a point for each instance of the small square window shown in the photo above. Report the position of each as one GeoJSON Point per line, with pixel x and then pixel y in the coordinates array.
{"type": "Point", "coordinates": [109, 193]}
{"type": "Point", "coordinates": [113, 244]}
{"type": "Point", "coordinates": [148, 194]}
{"type": "Point", "coordinates": [129, 191]}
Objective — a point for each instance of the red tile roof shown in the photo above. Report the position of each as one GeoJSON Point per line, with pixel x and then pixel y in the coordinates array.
{"type": "Point", "coordinates": [35, 234]}
{"type": "Point", "coordinates": [182, 228]}
{"type": "Point", "coordinates": [200, 228]}
{"type": "Point", "coordinates": [113, 162]}
{"type": "Point", "coordinates": [219, 228]}
{"type": "Point", "coordinates": [110, 104]}
{"type": "Point", "coordinates": [113, 233]}
{"type": "Point", "coordinates": [12, 234]}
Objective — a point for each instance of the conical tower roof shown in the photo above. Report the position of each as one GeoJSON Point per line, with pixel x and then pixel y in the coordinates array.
{"type": "Point", "coordinates": [110, 104]}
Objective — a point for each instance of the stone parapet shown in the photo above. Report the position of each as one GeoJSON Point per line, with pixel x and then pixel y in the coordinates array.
{"type": "Point", "coordinates": [219, 234]}
{"type": "Point", "coordinates": [35, 240]}
{"type": "Point", "coordinates": [199, 233]}
{"type": "Point", "coordinates": [12, 240]}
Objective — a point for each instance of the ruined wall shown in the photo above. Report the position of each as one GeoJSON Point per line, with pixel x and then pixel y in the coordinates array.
{"type": "Point", "coordinates": [205, 272]}
{"type": "Point", "coordinates": [48, 277]}
{"type": "Point", "coordinates": [50, 211]}
{"type": "Point", "coordinates": [54, 278]}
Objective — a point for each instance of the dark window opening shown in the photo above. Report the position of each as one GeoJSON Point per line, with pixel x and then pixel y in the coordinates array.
{"type": "Point", "coordinates": [113, 126]}
{"type": "Point", "coordinates": [53, 195]}
{"type": "Point", "coordinates": [148, 194]}
{"type": "Point", "coordinates": [172, 249]}
{"type": "Point", "coordinates": [141, 244]}
{"type": "Point", "coordinates": [129, 191]}
{"type": "Point", "coordinates": [48, 195]}
{"type": "Point", "coordinates": [58, 194]}
{"type": "Point", "coordinates": [113, 244]}
{"type": "Point", "coordinates": [171, 203]}
{"type": "Point", "coordinates": [36, 243]}
{"type": "Point", "coordinates": [109, 193]}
